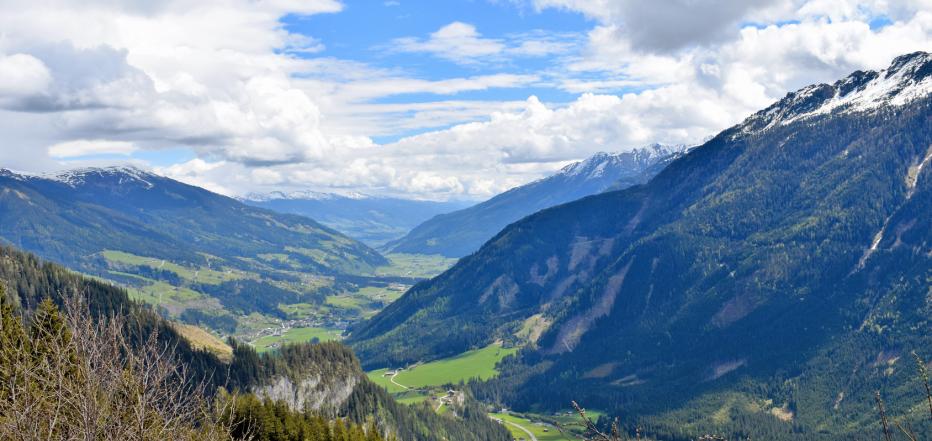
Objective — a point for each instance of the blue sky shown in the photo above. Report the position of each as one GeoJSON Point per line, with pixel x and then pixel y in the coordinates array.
{"type": "Point", "coordinates": [453, 99]}
{"type": "Point", "coordinates": [364, 31]}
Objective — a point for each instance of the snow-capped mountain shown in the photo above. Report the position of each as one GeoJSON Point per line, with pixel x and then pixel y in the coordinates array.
{"type": "Point", "coordinates": [462, 232]}
{"type": "Point", "coordinates": [118, 175]}
{"type": "Point", "coordinates": [602, 163]}
{"type": "Point", "coordinates": [301, 195]}
{"type": "Point", "coordinates": [785, 261]}
{"type": "Point", "coordinates": [908, 78]}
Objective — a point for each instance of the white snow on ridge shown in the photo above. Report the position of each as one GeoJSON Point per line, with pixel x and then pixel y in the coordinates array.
{"type": "Point", "coordinates": [77, 177]}
{"type": "Point", "coordinates": [894, 88]}
{"type": "Point", "coordinates": [306, 195]}
{"type": "Point", "coordinates": [126, 175]}
{"type": "Point", "coordinates": [908, 78]}
{"type": "Point", "coordinates": [595, 166]}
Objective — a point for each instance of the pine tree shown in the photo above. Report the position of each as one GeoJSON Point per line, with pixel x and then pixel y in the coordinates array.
{"type": "Point", "coordinates": [14, 349]}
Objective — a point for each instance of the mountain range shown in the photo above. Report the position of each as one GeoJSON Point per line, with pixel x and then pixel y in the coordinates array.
{"type": "Point", "coordinates": [188, 249]}
{"type": "Point", "coordinates": [762, 285]}
{"type": "Point", "coordinates": [462, 232]}
{"type": "Point", "coordinates": [371, 220]}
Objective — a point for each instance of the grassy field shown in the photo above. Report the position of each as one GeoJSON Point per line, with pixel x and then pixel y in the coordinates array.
{"type": "Point", "coordinates": [379, 377]}
{"type": "Point", "coordinates": [199, 275]}
{"type": "Point", "coordinates": [295, 335]}
{"type": "Point", "coordinates": [411, 397]}
{"type": "Point", "coordinates": [299, 309]}
{"type": "Point", "coordinates": [417, 384]}
{"type": "Point", "coordinates": [202, 339]}
{"type": "Point", "coordinates": [163, 294]}
{"type": "Point", "coordinates": [476, 363]}
{"type": "Point", "coordinates": [569, 416]}
{"type": "Point", "coordinates": [415, 265]}
{"type": "Point", "coordinates": [543, 431]}
{"type": "Point", "coordinates": [384, 294]}
{"type": "Point", "coordinates": [346, 301]}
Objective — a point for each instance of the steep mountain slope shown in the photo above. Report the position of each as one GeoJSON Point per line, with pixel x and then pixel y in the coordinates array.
{"type": "Point", "coordinates": [463, 232]}
{"type": "Point", "coordinates": [371, 220]}
{"type": "Point", "coordinates": [771, 277]}
{"type": "Point", "coordinates": [145, 230]}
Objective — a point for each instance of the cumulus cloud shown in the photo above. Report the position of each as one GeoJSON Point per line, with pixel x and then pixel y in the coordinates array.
{"type": "Point", "coordinates": [85, 147]}
{"type": "Point", "coordinates": [22, 75]}
{"type": "Point", "coordinates": [483, 158]}
{"type": "Point", "coordinates": [262, 108]}
{"type": "Point", "coordinates": [457, 41]}
{"type": "Point", "coordinates": [462, 43]}
{"type": "Point", "coordinates": [665, 25]}
{"type": "Point", "coordinates": [161, 74]}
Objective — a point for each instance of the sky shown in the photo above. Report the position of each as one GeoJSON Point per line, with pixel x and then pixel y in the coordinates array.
{"type": "Point", "coordinates": [423, 99]}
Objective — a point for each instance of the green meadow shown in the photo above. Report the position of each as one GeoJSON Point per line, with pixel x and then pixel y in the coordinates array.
{"type": "Point", "coordinates": [478, 363]}
{"type": "Point", "coordinates": [415, 265]}
{"type": "Point", "coordinates": [543, 431]}
{"type": "Point", "coordinates": [199, 275]}
{"type": "Point", "coordinates": [295, 335]}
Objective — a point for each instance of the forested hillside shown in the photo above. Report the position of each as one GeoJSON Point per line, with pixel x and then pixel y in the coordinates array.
{"type": "Point", "coordinates": [772, 277]}
{"type": "Point", "coordinates": [287, 392]}
{"type": "Point", "coordinates": [201, 257]}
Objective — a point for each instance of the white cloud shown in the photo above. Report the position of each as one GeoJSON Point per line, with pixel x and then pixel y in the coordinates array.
{"type": "Point", "coordinates": [462, 43]}
{"type": "Point", "coordinates": [22, 75]}
{"type": "Point", "coordinates": [221, 77]}
{"type": "Point", "coordinates": [483, 158]}
{"type": "Point", "coordinates": [665, 25]}
{"type": "Point", "coordinates": [457, 41]}
{"type": "Point", "coordinates": [162, 74]}
{"type": "Point", "coordinates": [85, 147]}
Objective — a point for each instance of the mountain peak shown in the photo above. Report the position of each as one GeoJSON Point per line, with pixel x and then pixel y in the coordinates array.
{"type": "Point", "coordinates": [302, 195]}
{"type": "Point", "coordinates": [122, 174]}
{"type": "Point", "coordinates": [909, 77]}
{"type": "Point", "coordinates": [595, 165]}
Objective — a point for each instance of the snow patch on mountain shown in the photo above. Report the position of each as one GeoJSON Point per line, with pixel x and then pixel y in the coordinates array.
{"type": "Point", "coordinates": [301, 195]}
{"type": "Point", "coordinates": [908, 78]}
{"type": "Point", "coordinates": [595, 166]}
{"type": "Point", "coordinates": [123, 175]}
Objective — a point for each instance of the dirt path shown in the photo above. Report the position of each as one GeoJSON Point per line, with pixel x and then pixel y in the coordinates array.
{"type": "Point", "coordinates": [528, 432]}
{"type": "Point", "coordinates": [520, 427]}
{"type": "Point", "coordinates": [392, 379]}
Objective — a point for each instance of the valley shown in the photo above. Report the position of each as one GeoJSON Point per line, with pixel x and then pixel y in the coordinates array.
{"type": "Point", "coordinates": [180, 292]}
{"type": "Point", "coordinates": [772, 282]}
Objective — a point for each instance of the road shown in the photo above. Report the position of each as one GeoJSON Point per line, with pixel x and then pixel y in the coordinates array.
{"type": "Point", "coordinates": [392, 379]}
{"type": "Point", "coordinates": [521, 428]}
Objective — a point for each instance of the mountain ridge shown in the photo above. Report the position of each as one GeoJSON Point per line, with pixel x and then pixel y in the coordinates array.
{"type": "Point", "coordinates": [727, 276]}
{"type": "Point", "coordinates": [374, 220]}
{"type": "Point", "coordinates": [196, 253]}
{"type": "Point", "coordinates": [462, 232]}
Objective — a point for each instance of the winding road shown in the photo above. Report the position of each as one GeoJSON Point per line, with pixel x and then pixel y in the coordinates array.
{"type": "Point", "coordinates": [521, 428]}
{"type": "Point", "coordinates": [392, 379]}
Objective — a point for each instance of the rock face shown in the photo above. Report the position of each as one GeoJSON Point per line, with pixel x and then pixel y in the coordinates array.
{"type": "Point", "coordinates": [310, 393]}
{"type": "Point", "coordinates": [770, 262]}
